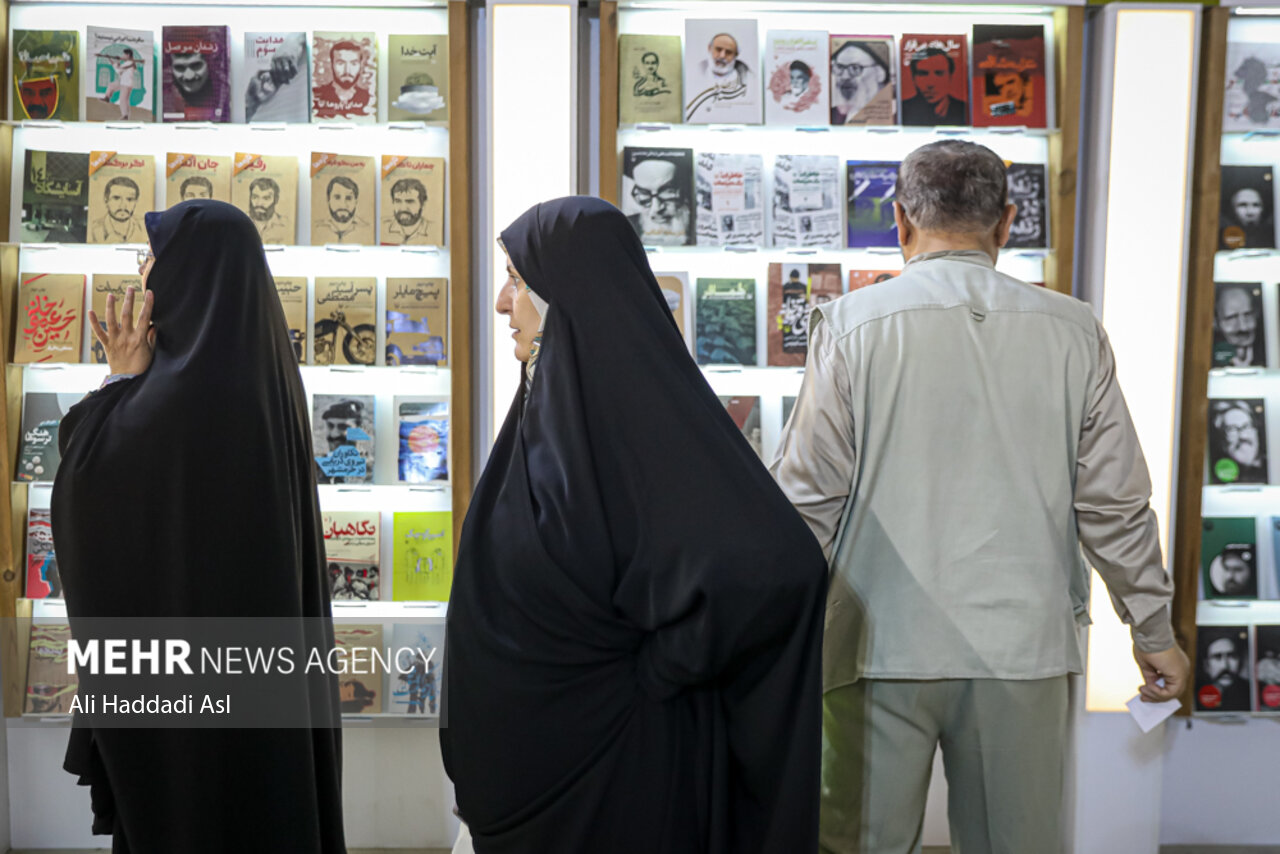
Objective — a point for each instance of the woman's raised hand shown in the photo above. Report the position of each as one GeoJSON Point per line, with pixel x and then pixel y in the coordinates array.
{"type": "Point", "coordinates": [129, 345]}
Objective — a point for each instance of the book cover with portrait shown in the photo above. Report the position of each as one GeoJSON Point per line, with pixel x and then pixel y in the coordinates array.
{"type": "Point", "coordinates": [276, 77]}
{"type": "Point", "coordinates": [412, 201]}
{"type": "Point", "coordinates": [292, 291]}
{"type": "Point", "coordinates": [196, 176]}
{"type": "Point", "coordinates": [730, 193]}
{"type": "Point", "coordinates": [43, 581]}
{"type": "Point", "coordinates": [345, 310]}
{"type": "Point", "coordinates": [1251, 99]}
{"type": "Point", "coordinates": [1237, 440]}
{"type": "Point", "coordinates": [725, 322]}
{"type": "Point", "coordinates": [1009, 75]}
{"type": "Point", "coordinates": [869, 200]}
{"type": "Point", "coordinates": [417, 674]}
{"type": "Point", "coordinates": [806, 201]}
{"type": "Point", "coordinates": [794, 291]}
{"type": "Point", "coordinates": [1029, 190]}
{"type": "Point", "coordinates": [418, 78]}
{"type": "Point", "coordinates": [934, 70]}
{"type": "Point", "coordinates": [657, 194]}
{"type": "Point", "coordinates": [342, 434]}
{"type": "Point", "coordinates": [418, 321]}
{"type": "Point", "coordinates": [123, 68]}
{"type": "Point", "coordinates": [1247, 208]}
{"type": "Point", "coordinates": [195, 64]}
{"type": "Point", "coordinates": [360, 687]}
{"type": "Point", "coordinates": [1222, 669]}
{"type": "Point", "coordinates": [796, 77]}
{"type": "Point", "coordinates": [863, 83]}
{"type": "Point", "coordinates": [46, 75]}
{"type": "Point", "coordinates": [649, 79]}
{"type": "Point", "coordinates": [745, 412]}
{"type": "Point", "coordinates": [55, 197]}
{"type": "Point", "coordinates": [266, 188]}
{"type": "Point", "coordinates": [344, 197]}
{"type": "Point", "coordinates": [1239, 335]}
{"type": "Point", "coordinates": [122, 188]}
{"type": "Point", "coordinates": [50, 687]}
{"type": "Point", "coordinates": [344, 77]}
{"type": "Point", "coordinates": [352, 552]}
{"type": "Point", "coordinates": [722, 72]}
{"type": "Point", "coordinates": [675, 290]}
{"type": "Point", "coordinates": [422, 428]}
{"type": "Point", "coordinates": [1229, 557]}
{"type": "Point", "coordinates": [1266, 667]}
{"type": "Point", "coordinates": [862, 278]}
{"type": "Point", "coordinates": [103, 286]}
{"type": "Point", "coordinates": [50, 318]}
{"type": "Point", "coordinates": [422, 555]}
{"type": "Point", "coordinates": [38, 454]}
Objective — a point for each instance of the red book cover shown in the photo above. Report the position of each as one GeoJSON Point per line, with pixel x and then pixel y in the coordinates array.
{"type": "Point", "coordinates": [934, 73]}
{"type": "Point", "coordinates": [196, 74]}
{"type": "Point", "coordinates": [1008, 75]}
{"type": "Point", "coordinates": [862, 278]}
{"type": "Point", "coordinates": [794, 290]}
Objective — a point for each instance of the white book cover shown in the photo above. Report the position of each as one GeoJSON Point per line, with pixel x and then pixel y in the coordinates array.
{"type": "Point", "coordinates": [807, 201]}
{"type": "Point", "coordinates": [730, 190]}
{"type": "Point", "coordinates": [796, 82]}
{"type": "Point", "coordinates": [722, 72]}
{"type": "Point", "coordinates": [1252, 97]}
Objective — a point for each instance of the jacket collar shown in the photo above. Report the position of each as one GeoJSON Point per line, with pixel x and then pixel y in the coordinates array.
{"type": "Point", "coordinates": [973, 256]}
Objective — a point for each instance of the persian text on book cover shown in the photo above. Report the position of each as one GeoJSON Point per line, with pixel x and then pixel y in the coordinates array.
{"type": "Point", "coordinates": [46, 75]}
{"type": "Point", "coordinates": [342, 435]}
{"type": "Point", "coordinates": [935, 79]}
{"type": "Point", "coordinates": [292, 291]}
{"type": "Point", "coordinates": [1247, 214]}
{"type": "Point", "coordinates": [50, 318]}
{"type": "Point", "coordinates": [50, 688]}
{"type": "Point", "coordinates": [1266, 666]}
{"type": "Point", "coordinates": [1238, 440]}
{"type": "Point", "coordinates": [38, 455]}
{"type": "Point", "coordinates": [1252, 97]}
{"type": "Point", "coordinates": [104, 285]}
{"type": "Point", "coordinates": [417, 674]}
{"type": "Point", "coordinates": [123, 64]}
{"type": "Point", "coordinates": [725, 322]}
{"type": "Point", "coordinates": [675, 290]}
{"type": "Point", "coordinates": [417, 321]}
{"type": "Point", "coordinates": [1008, 75]}
{"type": "Point", "coordinates": [276, 77]}
{"type": "Point", "coordinates": [745, 412]}
{"type": "Point", "coordinates": [806, 201]}
{"type": "Point", "coordinates": [196, 176]}
{"type": "Point", "coordinates": [55, 197]}
{"type": "Point", "coordinates": [352, 553]}
{"type": "Point", "coordinates": [870, 204]}
{"type": "Point", "coordinates": [418, 78]}
{"type": "Point", "coordinates": [360, 686]}
{"type": "Point", "coordinates": [122, 188]}
{"type": "Point", "coordinates": [344, 77]}
{"type": "Point", "coordinates": [345, 312]}
{"type": "Point", "coordinates": [796, 81]}
{"type": "Point", "coordinates": [343, 199]}
{"type": "Point", "coordinates": [412, 201]}
{"type": "Point", "coordinates": [657, 194]}
{"type": "Point", "coordinates": [266, 188]}
{"type": "Point", "coordinates": [196, 66]}
{"type": "Point", "coordinates": [1229, 558]}
{"type": "Point", "coordinates": [43, 581]}
{"type": "Point", "coordinates": [721, 72]}
{"type": "Point", "coordinates": [1029, 190]}
{"type": "Point", "coordinates": [730, 190]}
{"type": "Point", "coordinates": [422, 427]}
{"type": "Point", "coordinates": [1223, 682]}
{"type": "Point", "coordinates": [863, 90]}
{"type": "Point", "coordinates": [1239, 335]}
{"type": "Point", "coordinates": [422, 555]}
{"type": "Point", "coordinates": [862, 278]}
{"type": "Point", "coordinates": [794, 291]}
{"type": "Point", "coordinates": [649, 79]}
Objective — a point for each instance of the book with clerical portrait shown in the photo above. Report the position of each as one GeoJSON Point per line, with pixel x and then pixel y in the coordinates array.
{"type": "Point", "coordinates": [103, 286]}
{"type": "Point", "coordinates": [266, 188]}
{"type": "Point", "coordinates": [277, 74]}
{"type": "Point", "coordinates": [422, 556]}
{"type": "Point", "coordinates": [417, 321]}
{"type": "Point", "coordinates": [1009, 75]}
{"type": "Point", "coordinates": [722, 72]}
{"type": "Point", "coordinates": [730, 192]}
{"type": "Point", "coordinates": [50, 318]}
{"type": "Point", "coordinates": [196, 69]}
{"type": "Point", "coordinates": [352, 552]}
{"type": "Point", "coordinates": [794, 291]}
{"type": "Point", "coordinates": [342, 437]}
{"type": "Point", "coordinates": [795, 77]}
{"type": "Point", "coordinates": [122, 188]}
{"type": "Point", "coordinates": [935, 79]}
{"type": "Point", "coordinates": [412, 201]}
{"type": "Point", "coordinates": [46, 75]}
{"type": "Point", "coordinates": [360, 684]}
{"type": "Point", "coordinates": [51, 683]}
{"type": "Point", "coordinates": [345, 310]}
{"type": "Point", "coordinates": [122, 69]}
{"type": "Point", "coordinates": [863, 75]}
{"type": "Point", "coordinates": [55, 197]}
{"type": "Point", "coordinates": [196, 176]}
{"type": "Point", "coordinates": [657, 195]}
{"type": "Point", "coordinates": [725, 322]}
{"type": "Point", "coordinates": [292, 291]}
{"type": "Point", "coordinates": [418, 78]}
{"type": "Point", "coordinates": [344, 77]}
{"type": "Point", "coordinates": [806, 201]}
{"type": "Point", "coordinates": [344, 198]}
{"type": "Point", "coordinates": [1229, 558]}
{"type": "Point", "coordinates": [422, 425]}
{"type": "Point", "coordinates": [649, 79]}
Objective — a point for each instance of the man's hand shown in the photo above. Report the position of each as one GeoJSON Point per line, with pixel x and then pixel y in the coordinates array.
{"type": "Point", "coordinates": [128, 345]}
{"type": "Point", "coordinates": [1171, 665]}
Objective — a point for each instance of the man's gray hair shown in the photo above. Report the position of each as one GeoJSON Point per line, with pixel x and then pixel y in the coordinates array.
{"type": "Point", "coordinates": [953, 186]}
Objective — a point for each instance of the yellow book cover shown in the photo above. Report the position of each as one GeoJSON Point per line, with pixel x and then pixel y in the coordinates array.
{"type": "Point", "coordinates": [344, 193]}
{"type": "Point", "coordinates": [418, 322]}
{"type": "Point", "coordinates": [122, 187]}
{"type": "Point", "coordinates": [196, 176]}
{"type": "Point", "coordinates": [412, 201]}
{"type": "Point", "coordinates": [292, 291]}
{"type": "Point", "coordinates": [105, 284]}
{"type": "Point", "coordinates": [266, 188]}
{"type": "Point", "coordinates": [345, 313]}
{"type": "Point", "coordinates": [50, 318]}
{"type": "Point", "coordinates": [422, 556]}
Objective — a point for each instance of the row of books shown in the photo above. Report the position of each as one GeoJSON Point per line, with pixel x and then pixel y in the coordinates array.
{"type": "Point", "coordinates": [285, 76]}
{"type": "Point", "coordinates": [101, 196]}
{"type": "Point", "coordinates": [51, 325]}
{"type": "Point", "coordinates": [812, 77]}
{"type": "Point", "coordinates": [1237, 669]}
{"type": "Point", "coordinates": [1229, 566]}
{"type": "Point", "coordinates": [676, 198]}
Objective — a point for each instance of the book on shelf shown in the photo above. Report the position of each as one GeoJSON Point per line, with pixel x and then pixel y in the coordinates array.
{"type": "Point", "coordinates": [725, 322]}
{"type": "Point", "coordinates": [794, 291]}
{"type": "Point", "coordinates": [418, 77]}
{"type": "Point", "coordinates": [50, 688]}
{"type": "Point", "coordinates": [745, 412]}
{"type": "Point", "coordinates": [1251, 99]}
{"type": "Point", "coordinates": [1266, 666]}
{"type": "Point", "coordinates": [422, 556]}
{"type": "Point", "coordinates": [123, 64]}
{"type": "Point", "coordinates": [935, 79]}
{"type": "Point", "coordinates": [1029, 190]}
{"type": "Point", "coordinates": [103, 286]}
{"type": "Point", "coordinates": [422, 428]}
{"type": "Point", "coordinates": [345, 310]}
{"type": "Point", "coordinates": [730, 193]}
{"type": "Point", "coordinates": [722, 72]}
{"type": "Point", "coordinates": [266, 188]}
{"type": "Point", "coordinates": [292, 291]}
{"type": "Point", "coordinates": [196, 176]}
{"type": "Point", "coordinates": [417, 321]}
{"type": "Point", "coordinates": [1229, 557]}
{"type": "Point", "coordinates": [344, 77]}
{"type": "Point", "coordinates": [122, 189]}
{"type": "Point", "coordinates": [412, 201]}
{"type": "Point", "coordinates": [675, 290]}
{"type": "Point", "coordinates": [43, 581]}
{"type": "Point", "coordinates": [1239, 335]}
{"type": "Point", "coordinates": [50, 318]}
{"type": "Point", "coordinates": [1248, 203]}
{"type": "Point", "coordinates": [196, 70]}
{"type": "Point", "coordinates": [649, 79]}
{"type": "Point", "coordinates": [870, 194]}
{"type": "Point", "coordinates": [862, 278]}
{"type": "Point", "coordinates": [806, 201]}
{"type": "Point", "coordinates": [342, 434]}
{"type": "Point", "coordinates": [1223, 682]}
{"type": "Point", "coordinates": [276, 77]}
{"type": "Point", "coordinates": [38, 454]}
{"type": "Point", "coordinates": [360, 687]}
{"type": "Point", "coordinates": [46, 75]}
{"type": "Point", "coordinates": [796, 83]}
{"type": "Point", "coordinates": [1238, 440]}
{"type": "Point", "coordinates": [863, 81]}
{"type": "Point", "coordinates": [657, 194]}
{"type": "Point", "coordinates": [55, 197]}
{"type": "Point", "coordinates": [1009, 80]}
{"type": "Point", "coordinates": [352, 552]}
{"type": "Point", "coordinates": [344, 197]}
{"type": "Point", "coordinates": [417, 676]}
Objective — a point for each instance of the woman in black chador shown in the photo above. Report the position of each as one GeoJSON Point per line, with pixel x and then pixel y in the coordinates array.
{"type": "Point", "coordinates": [636, 618]}
{"type": "Point", "coordinates": [187, 490]}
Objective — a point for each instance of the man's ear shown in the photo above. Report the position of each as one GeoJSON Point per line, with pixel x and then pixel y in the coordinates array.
{"type": "Point", "coordinates": [906, 231]}
{"type": "Point", "coordinates": [1006, 223]}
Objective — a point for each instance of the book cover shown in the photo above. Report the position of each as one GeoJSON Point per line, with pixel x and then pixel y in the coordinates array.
{"type": "Point", "coordinates": [46, 75]}
{"type": "Point", "coordinates": [55, 197]}
{"type": "Point", "coordinates": [292, 291]}
{"type": "Point", "coordinates": [276, 77]}
{"type": "Point", "coordinates": [1247, 214]}
{"type": "Point", "coordinates": [871, 186]}
{"type": "Point", "coordinates": [122, 188]}
{"type": "Point", "coordinates": [1266, 666]}
{"type": "Point", "coordinates": [345, 312]}
{"type": "Point", "coordinates": [730, 190]}
{"type": "Point", "coordinates": [791, 300]}
{"type": "Point", "coordinates": [1029, 190]}
{"type": "Point", "coordinates": [123, 64]}
{"type": "Point", "coordinates": [863, 85]}
{"type": "Point", "coordinates": [1237, 440]}
{"type": "Point", "coordinates": [649, 81]}
{"type": "Point", "coordinates": [104, 285]}
{"type": "Point", "coordinates": [360, 687]}
{"type": "Point", "coordinates": [344, 197]}
{"type": "Point", "coordinates": [935, 79]}
{"type": "Point", "coordinates": [344, 77]}
{"type": "Point", "coordinates": [422, 556]}
{"type": "Point", "coordinates": [351, 550]}
{"type": "Point", "coordinates": [1239, 335]}
{"type": "Point", "coordinates": [1229, 558]}
{"type": "Point", "coordinates": [657, 194]}
{"type": "Point", "coordinates": [417, 674]}
{"type": "Point", "coordinates": [196, 176]}
{"type": "Point", "coordinates": [342, 432]}
{"type": "Point", "coordinates": [721, 72]}
{"type": "Point", "coordinates": [422, 424]}
{"type": "Point", "coordinates": [43, 581]}
{"type": "Point", "coordinates": [50, 688]}
{"type": "Point", "coordinates": [806, 201]}
{"type": "Point", "coordinates": [38, 455]}
{"type": "Point", "coordinates": [725, 322]}
{"type": "Point", "coordinates": [1222, 669]}
{"type": "Point", "coordinates": [196, 70]}
{"type": "Point", "coordinates": [862, 278]}
{"type": "Point", "coordinates": [417, 321]}
{"type": "Point", "coordinates": [266, 188]}
{"type": "Point", "coordinates": [412, 201]}
{"type": "Point", "coordinates": [418, 78]}
{"type": "Point", "coordinates": [675, 289]}
{"type": "Point", "coordinates": [745, 412]}
{"type": "Point", "coordinates": [1251, 100]}
{"type": "Point", "coordinates": [1009, 75]}
{"type": "Point", "coordinates": [796, 77]}
{"type": "Point", "coordinates": [50, 318]}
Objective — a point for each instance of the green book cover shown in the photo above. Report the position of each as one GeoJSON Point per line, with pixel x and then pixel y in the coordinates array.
{"type": "Point", "coordinates": [1229, 558]}
{"type": "Point", "coordinates": [46, 75]}
{"type": "Point", "coordinates": [725, 324]}
{"type": "Point", "coordinates": [422, 556]}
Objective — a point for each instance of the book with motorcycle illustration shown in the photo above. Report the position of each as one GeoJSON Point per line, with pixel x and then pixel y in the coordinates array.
{"type": "Point", "coordinates": [345, 314]}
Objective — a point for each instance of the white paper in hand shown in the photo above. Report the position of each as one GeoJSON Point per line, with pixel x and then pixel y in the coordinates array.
{"type": "Point", "coordinates": [1148, 715]}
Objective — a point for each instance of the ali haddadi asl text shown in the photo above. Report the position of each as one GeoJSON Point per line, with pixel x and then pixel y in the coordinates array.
{"type": "Point", "coordinates": [112, 704]}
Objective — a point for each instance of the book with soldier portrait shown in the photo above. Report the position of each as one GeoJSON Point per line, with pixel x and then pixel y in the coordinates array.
{"type": "Point", "coordinates": [43, 581]}
{"type": "Point", "coordinates": [657, 194]}
{"type": "Point", "coordinates": [344, 77]}
{"type": "Point", "coordinates": [46, 75]}
{"type": "Point", "coordinates": [343, 199]}
{"type": "Point", "coordinates": [122, 64]}
{"type": "Point", "coordinates": [38, 453]}
{"type": "Point", "coordinates": [1239, 335]}
{"type": "Point", "coordinates": [412, 201]}
{"type": "Point", "coordinates": [871, 186]}
{"type": "Point", "coordinates": [422, 425]}
{"type": "Point", "coordinates": [745, 412]}
{"type": "Point", "coordinates": [50, 318]}
{"type": "Point", "coordinates": [266, 188]}
{"type": "Point", "coordinates": [1237, 441]}
{"type": "Point", "coordinates": [50, 687]}
{"type": "Point", "coordinates": [794, 291]}
{"type": "Point", "coordinates": [351, 550]}
{"type": "Point", "coordinates": [1009, 75]}
{"type": "Point", "coordinates": [422, 554]}
{"type": "Point", "coordinates": [103, 286]}
{"type": "Point", "coordinates": [360, 687]}
{"type": "Point", "coordinates": [122, 188]}
{"type": "Point", "coordinates": [796, 77]}
{"type": "Point", "coordinates": [276, 77]}
{"type": "Point", "coordinates": [196, 69]}
{"type": "Point", "coordinates": [730, 193]}
{"type": "Point", "coordinates": [863, 90]}
{"type": "Point", "coordinates": [675, 290]}
{"type": "Point", "coordinates": [55, 197]}
{"type": "Point", "coordinates": [935, 79]}
{"type": "Point", "coordinates": [342, 434]}
{"type": "Point", "coordinates": [345, 311]}
{"type": "Point", "coordinates": [1247, 208]}
{"type": "Point", "coordinates": [862, 278]}
{"type": "Point", "coordinates": [418, 78]}
{"type": "Point", "coordinates": [292, 291]}
{"type": "Point", "coordinates": [806, 201]}
{"type": "Point", "coordinates": [722, 72]}
{"type": "Point", "coordinates": [417, 321]}
{"type": "Point", "coordinates": [649, 79]}
{"type": "Point", "coordinates": [1266, 667]}
{"type": "Point", "coordinates": [196, 176]}
{"type": "Point", "coordinates": [1222, 669]}
{"type": "Point", "coordinates": [1252, 97]}
{"type": "Point", "coordinates": [417, 677]}
{"type": "Point", "coordinates": [725, 322]}
{"type": "Point", "coordinates": [1029, 190]}
{"type": "Point", "coordinates": [1229, 557]}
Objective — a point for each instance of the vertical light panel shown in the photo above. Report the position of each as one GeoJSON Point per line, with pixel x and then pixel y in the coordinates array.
{"type": "Point", "coordinates": [532, 151]}
{"type": "Point", "coordinates": [1148, 169]}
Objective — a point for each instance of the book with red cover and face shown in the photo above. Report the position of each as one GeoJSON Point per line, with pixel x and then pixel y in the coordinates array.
{"type": "Point", "coordinates": [862, 278]}
{"type": "Point", "coordinates": [351, 550]}
{"type": "Point", "coordinates": [794, 290]}
{"type": "Point", "coordinates": [196, 68]}
{"type": "Point", "coordinates": [1008, 75]}
{"type": "Point", "coordinates": [46, 74]}
{"type": "Point", "coordinates": [934, 70]}
{"type": "Point", "coordinates": [344, 77]}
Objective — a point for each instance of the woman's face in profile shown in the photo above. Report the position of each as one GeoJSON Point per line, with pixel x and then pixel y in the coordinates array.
{"type": "Point", "coordinates": [513, 301]}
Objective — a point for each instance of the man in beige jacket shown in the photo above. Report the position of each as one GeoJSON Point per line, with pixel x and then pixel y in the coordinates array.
{"type": "Point", "coordinates": [959, 436]}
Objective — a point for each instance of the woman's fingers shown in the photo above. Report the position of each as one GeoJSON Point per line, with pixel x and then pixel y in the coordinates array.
{"type": "Point", "coordinates": [113, 318]}
{"type": "Point", "coordinates": [126, 312]}
{"type": "Point", "coordinates": [144, 317]}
